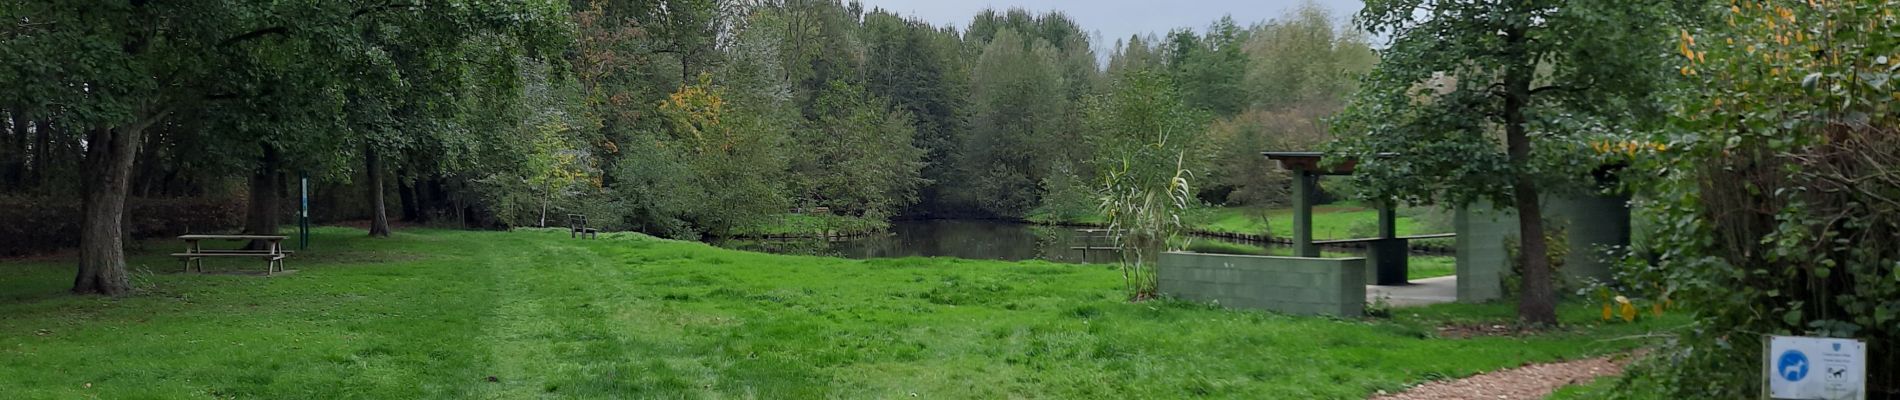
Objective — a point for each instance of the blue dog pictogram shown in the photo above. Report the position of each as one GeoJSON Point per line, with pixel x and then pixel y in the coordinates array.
{"type": "Point", "coordinates": [1792, 365]}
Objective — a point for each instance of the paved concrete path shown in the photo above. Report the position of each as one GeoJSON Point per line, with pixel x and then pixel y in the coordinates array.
{"type": "Point", "coordinates": [1426, 291]}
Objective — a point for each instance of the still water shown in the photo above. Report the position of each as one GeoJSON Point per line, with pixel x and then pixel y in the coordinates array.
{"type": "Point", "coordinates": [974, 239]}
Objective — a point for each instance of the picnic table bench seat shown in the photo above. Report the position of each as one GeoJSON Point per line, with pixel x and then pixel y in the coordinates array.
{"type": "Point", "coordinates": [273, 255]}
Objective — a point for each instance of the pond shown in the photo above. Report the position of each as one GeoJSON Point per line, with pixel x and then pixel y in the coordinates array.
{"type": "Point", "coordinates": [974, 239]}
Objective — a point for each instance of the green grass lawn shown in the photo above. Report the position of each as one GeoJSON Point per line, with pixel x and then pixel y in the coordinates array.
{"type": "Point", "coordinates": [1431, 266]}
{"type": "Point", "coordinates": [1592, 390]}
{"type": "Point", "coordinates": [434, 314]}
{"type": "Point", "coordinates": [1329, 221]}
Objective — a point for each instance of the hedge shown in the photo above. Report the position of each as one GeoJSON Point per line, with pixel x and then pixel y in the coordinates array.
{"type": "Point", "coordinates": [34, 225]}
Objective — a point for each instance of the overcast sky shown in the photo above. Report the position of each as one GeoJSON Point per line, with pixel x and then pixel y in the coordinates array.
{"type": "Point", "coordinates": [1116, 19]}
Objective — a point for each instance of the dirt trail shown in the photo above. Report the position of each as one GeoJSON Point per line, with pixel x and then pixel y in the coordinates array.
{"type": "Point", "coordinates": [1532, 381]}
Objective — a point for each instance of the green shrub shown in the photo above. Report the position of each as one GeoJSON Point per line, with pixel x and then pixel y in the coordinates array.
{"type": "Point", "coordinates": [1557, 248]}
{"type": "Point", "coordinates": [1774, 194]}
{"type": "Point", "coordinates": [33, 225]}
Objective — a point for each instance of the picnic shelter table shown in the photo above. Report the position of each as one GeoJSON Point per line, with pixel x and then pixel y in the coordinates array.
{"type": "Point", "coordinates": [273, 253]}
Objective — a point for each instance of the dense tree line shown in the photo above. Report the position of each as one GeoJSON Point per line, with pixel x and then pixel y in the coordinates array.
{"type": "Point", "coordinates": [871, 114]}
{"type": "Point", "coordinates": [1763, 152]}
{"type": "Point", "coordinates": [113, 98]}
{"type": "Point", "coordinates": [684, 118]}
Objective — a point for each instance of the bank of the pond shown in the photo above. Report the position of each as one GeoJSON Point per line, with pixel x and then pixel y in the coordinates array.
{"type": "Point", "coordinates": [1006, 240]}
{"type": "Point", "coordinates": [971, 239]}
{"type": "Point", "coordinates": [809, 225]}
{"type": "Point", "coordinates": [532, 313]}
{"type": "Point", "coordinates": [1330, 222]}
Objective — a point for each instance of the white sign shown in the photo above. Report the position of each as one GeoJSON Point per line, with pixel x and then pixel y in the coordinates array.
{"type": "Point", "coordinates": [1807, 368]}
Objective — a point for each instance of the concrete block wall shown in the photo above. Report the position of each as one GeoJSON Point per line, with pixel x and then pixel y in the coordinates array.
{"type": "Point", "coordinates": [1482, 259]}
{"type": "Point", "coordinates": [1590, 222]}
{"type": "Point", "coordinates": [1293, 285]}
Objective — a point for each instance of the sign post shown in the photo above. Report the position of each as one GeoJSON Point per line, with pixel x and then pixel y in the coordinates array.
{"type": "Point", "coordinates": [303, 215]}
{"type": "Point", "coordinates": [1810, 368]}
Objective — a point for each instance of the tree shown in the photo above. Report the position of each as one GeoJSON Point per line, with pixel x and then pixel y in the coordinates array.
{"type": "Point", "coordinates": [1135, 54]}
{"type": "Point", "coordinates": [691, 30]}
{"type": "Point", "coordinates": [820, 43]}
{"type": "Point", "coordinates": [433, 73]}
{"type": "Point", "coordinates": [1147, 136]}
{"type": "Point", "coordinates": [1299, 70]}
{"type": "Point", "coordinates": [199, 72]}
{"type": "Point", "coordinates": [1304, 59]}
{"type": "Point", "coordinates": [1235, 175]}
{"type": "Point", "coordinates": [1017, 122]}
{"type": "Point", "coordinates": [1542, 73]}
{"type": "Point", "coordinates": [1774, 192]}
{"type": "Point", "coordinates": [119, 73]}
{"type": "Point", "coordinates": [860, 159]}
{"type": "Point", "coordinates": [619, 72]}
{"type": "Point", "coordinates": [728, 156]}
{"type": "Point", "coordinates": [919, 69]}
{"type": "Point", "coordinates": [1209, 69]}
{"type": "Point", "coordinates": [1031, 75]}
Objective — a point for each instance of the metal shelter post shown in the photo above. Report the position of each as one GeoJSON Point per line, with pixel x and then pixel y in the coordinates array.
{"type": "Point", "coordinates": [303, 214]}
{"type": "Point", "coordinates": [1388, 220]}
{"type": "Point", "coordinates": [1305, 186]}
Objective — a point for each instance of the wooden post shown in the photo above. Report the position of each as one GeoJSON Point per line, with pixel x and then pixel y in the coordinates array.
{"type": "Point", "coordinates": [1305, 184]}
{"type": "Point", "coordinates": [1388, 220]}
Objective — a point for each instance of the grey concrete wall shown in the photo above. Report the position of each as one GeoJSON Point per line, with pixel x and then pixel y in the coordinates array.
{"type": "Point", "coordinates": [1482, 259]}
{"type": "Point", "coordinates": [1293, 285]}
{"type": "Point", "coordinates": [1589, 223]}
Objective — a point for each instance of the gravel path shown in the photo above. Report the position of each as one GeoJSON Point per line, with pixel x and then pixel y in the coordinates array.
{"type": "Point", "coordinates": [1527, 382]}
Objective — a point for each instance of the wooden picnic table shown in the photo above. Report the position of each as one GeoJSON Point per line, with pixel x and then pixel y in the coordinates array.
{"type": "Point", "coordinates": [273, 254]}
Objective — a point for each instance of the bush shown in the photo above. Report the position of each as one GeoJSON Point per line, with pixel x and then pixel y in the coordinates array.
{"type": "Point", "coordinates": [36, 225]}
{"type": "Point", "coordinates": [1556, 249]}
{"type": "Point", "coordinates": [1773, 199]}
{"type": "Point", "coordinates": [1068, 198]}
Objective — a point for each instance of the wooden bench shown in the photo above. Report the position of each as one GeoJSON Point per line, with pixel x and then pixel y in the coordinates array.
{"type": "Point", "coordinates": [273, 254]}
{"type": "Point", "coordinates": [577, 227]}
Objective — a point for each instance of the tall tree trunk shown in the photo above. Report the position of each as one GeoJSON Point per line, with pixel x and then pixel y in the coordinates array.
{"type": "Point", "coordinates": [150, 166]}
{"type": "Point", "coordinates": [109, 156]}
{"type": "Point", "coordinates": [406, 192]}
{"type": "Point", "coordinates": [15, 154]}
{"type": "Point", "coordinates": [460, 211]}
{"type": "Point", "coordinates": [1537, 300]}
{"type": "Point", "coordinates": [41, 161]}
{"type": "Point", "coordinates": [424, 199]}
{"type": "Point", "coordinates": [263, 217]}
{"type": "Point", "coordinates": [379, 220]}
{"type": "Point", "coordinates": [609, 154]}
{"type": "Point", "coordinates": [438, 198]}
